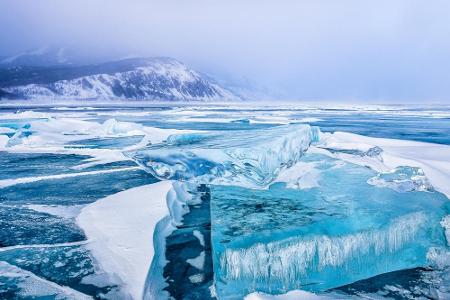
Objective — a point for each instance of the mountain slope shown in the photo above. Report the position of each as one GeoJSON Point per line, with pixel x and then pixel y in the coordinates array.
{"type": "Point", "coordinates": [138, 78]}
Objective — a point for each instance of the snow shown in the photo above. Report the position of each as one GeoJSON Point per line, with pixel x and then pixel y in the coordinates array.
{"type": "Point", "coordinates": [155, 79]}
{"type": "Point", "coordinates": [3, 141]}
{"type": "Point", "coordinates": [54, 133]}
{"type": "Point", "coordinates": [197, 278]}
{"type": "Point", "coordinates": [28, 114]}
{"type": "Point", "coordinates": [120, 229]}
{"type": "Point", "coordinates": [4, 130]}
{"type": "Point", "coordinates": [62, 211]}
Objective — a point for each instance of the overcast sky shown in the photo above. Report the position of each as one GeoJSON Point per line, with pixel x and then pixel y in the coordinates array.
{"type": "Point", "coordinates": [366, 51]}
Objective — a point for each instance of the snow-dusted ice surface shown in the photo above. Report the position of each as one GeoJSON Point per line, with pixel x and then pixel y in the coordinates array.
{"type": "Point", "coordinates": [120, 229]}
{"type": "Point", "coordinates": [295, 211]}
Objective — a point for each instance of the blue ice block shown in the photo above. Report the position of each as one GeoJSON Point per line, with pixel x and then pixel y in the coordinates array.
{"type": "Point", "coordinates": [344, 230]}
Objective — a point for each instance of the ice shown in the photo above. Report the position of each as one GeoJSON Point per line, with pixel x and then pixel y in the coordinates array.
{"type": "Point", "coordinates": [10, 182]}
{"type": "Point", "coordinates": [356, 150]}
{"type": "Point", "coordinates": [292, 295]}
{"type": "Point", "coordinates": [127, 231]}
{"type": "Point", "coordinates": [200, 237]}
{"type": "Point", "coordinates": [198, 262]}
{"type": "Point", "coordinates": [112, 127]}
{"type": "Point", "coordinates": [403, 179]}
{"type": "Point", "coordinates": [314, 239]}
{"type": "Point", "coordinates": [3, 141]}
{"type": "Point", "coordinates": [445, 222]}
{"type": "Point", "coordinates": [350, 222]}
{"type": "Point", "coordinates": [29, 285]}
{"type": "Point", "coordinates": [433, 159]}
{"type": "Point", "coordinates": [35, 132]}
{"type": "Point", "coordinates": [251, 158]}
{"type": "Point", "coordinates": [62, 211]}
{"type": "Point", "coordinates": [302, 175]}
{"type": "Point", "coordinates": [291, 258]}
{"type": "Point", "coordinates": [120, 228]}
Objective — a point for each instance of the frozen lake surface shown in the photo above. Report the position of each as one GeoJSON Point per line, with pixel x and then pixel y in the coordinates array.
{"type": "Point", "coordinates": [338, 202]}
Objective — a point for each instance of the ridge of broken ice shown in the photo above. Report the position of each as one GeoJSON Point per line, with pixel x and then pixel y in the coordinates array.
{"type": "Point", "coordinates": [251, 158]}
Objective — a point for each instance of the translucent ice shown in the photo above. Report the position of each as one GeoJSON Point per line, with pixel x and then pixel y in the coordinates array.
{"type": "Point", "coordinates": [251, 158]}
{"type": "Point", "coordinates": [338, 232]}
{"type": "Point", "coordinates": [403, 179]}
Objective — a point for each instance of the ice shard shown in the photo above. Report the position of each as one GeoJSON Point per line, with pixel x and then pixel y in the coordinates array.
{"type": "Point", "coordinates": [247, 158]}
{"type": "Point", "coordinates": [403, 179]}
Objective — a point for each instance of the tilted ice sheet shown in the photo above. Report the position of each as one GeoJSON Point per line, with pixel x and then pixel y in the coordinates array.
{"type": "Point", "coordinates": [250, 158]}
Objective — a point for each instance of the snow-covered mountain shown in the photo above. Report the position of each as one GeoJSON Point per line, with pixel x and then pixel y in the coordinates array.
{"type": "Point", "coordinates": [137, 78]}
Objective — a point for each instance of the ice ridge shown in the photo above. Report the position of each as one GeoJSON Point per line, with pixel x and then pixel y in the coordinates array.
{"type": "Point", "coordinates": [248, 158]}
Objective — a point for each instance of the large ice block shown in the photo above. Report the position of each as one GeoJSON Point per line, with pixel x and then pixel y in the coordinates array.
{"type": "Point", "coordinates": [314, 239]}
{"type": "Point", "coordinates": [247, 158]}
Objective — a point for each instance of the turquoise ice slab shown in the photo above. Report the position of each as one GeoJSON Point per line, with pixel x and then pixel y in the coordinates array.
{"type": "Point", "coordinates": [344, 230]}
{"type": "Point", "coordinates": [242, 157]}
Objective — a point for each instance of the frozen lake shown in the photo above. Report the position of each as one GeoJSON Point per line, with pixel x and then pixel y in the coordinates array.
{"type": "Point", "coordinates": [343, 202]}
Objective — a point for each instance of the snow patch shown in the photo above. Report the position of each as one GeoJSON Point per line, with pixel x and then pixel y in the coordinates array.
{"type": "Point", "coordinates": [198, 262]}
{"type": "Point", "coordinates": [201, 238]}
